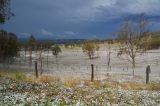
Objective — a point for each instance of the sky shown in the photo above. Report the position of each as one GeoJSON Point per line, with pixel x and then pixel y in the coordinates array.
{"type": "Point", "coordinates": [74, 19]}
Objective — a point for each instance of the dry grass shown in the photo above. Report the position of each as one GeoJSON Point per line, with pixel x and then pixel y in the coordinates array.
{"type": "Point", "coordinates": [110, 84]}
{"type": "Point", "coordinates": [72, 82]}
{"type": "Point", "coordinates": [95, 83]}
{"type": "Point", "coordinates": [133, 86]}
{"type": "Point", "coordinates": [19, 76]}
{"type": "Point", "coordinates": [42, 79]}
{"type": "Point", "coordinates": [75, 82]}
{"type": "Point", "coordinates": [48, 79]}
{"type": "Point", "coordinates": [154, 86]}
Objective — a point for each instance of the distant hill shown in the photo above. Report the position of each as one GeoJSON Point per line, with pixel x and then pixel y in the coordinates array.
{"type": "Point", "coordinates": [155, 40]}
{"type": "Point", "coordinates": [57, 41]}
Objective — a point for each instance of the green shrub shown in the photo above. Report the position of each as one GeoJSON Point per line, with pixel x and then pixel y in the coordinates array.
{"type": "Point", "coordinates": [154, 43]}
{"type": "Point", "coordinates": [47, 102]}
{"type": "Point", "coordinates": [19, 76]}
{"type": "Point", "coordinates": [27, 104]}
{"type": "Point", "coordinates": [19, 101]}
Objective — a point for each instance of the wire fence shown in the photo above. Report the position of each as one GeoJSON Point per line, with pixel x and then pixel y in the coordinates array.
{"type": "Point", "coordinates": [77, 65]}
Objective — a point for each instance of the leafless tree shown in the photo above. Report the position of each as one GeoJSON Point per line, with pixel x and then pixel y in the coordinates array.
{"type": "Point", "coordinates": [132, 32]}
{"type": "Point", "coordinates": [97, 49]}
{"type": "Point", "coordinates": [109, 56]}
{"type": "Point", "coordinates": [40, 58]}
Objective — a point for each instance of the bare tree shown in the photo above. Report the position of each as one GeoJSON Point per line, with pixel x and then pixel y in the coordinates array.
{"type": "Point", "coordinates": [25, 51]}
{"type": "Point", "coordinates": [48, 47]}
{"type": "Point", "coordinates": [41, 60]}
{"type": "Point", "coordinates": [97, 49]}
{"type": "Point", "coordinates": [132, 32]}
{"type": "Point", "coordinates": [109, 56]}
{"type": "Point", "coordinates": [31, 45]}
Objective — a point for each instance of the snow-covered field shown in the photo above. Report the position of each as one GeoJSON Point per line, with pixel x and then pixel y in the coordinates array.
{"type": "Point", "coordinates": [74, 63]}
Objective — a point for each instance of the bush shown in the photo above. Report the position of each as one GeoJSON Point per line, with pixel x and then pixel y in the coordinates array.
{"type": "Point", "coordinates": [19, 76]}
{"type": "Point", "coordinates": [56, 50]}
{"type": "Point", "coordinates": [154, 43]}
{"type": "Point", "coordinates": [89, 49]}
{"type": "Point", "coordinates": [9, 46]}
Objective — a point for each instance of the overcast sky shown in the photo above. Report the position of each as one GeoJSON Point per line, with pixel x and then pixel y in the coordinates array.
{"type": "Point", "coordinates": [76, 18]}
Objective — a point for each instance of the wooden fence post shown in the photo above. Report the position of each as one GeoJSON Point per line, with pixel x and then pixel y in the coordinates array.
{"type": "Point", "coordinates": [148, 71]}
{"type": "Point", "coordinates": [92, 75]}
{"type": "Point", "coordinates": [36, 69]}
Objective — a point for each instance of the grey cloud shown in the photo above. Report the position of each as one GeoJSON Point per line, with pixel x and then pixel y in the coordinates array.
{"type": "Point", "coordinates": [87, 17]}
{"type": "Point", "coordinates": [24, 34]}
{"type": "Point", "coordinates": [45, 32]}
{"type": "Point", "coordinates": [70, 33]}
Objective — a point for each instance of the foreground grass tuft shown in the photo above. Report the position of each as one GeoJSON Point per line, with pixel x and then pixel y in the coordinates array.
{"type": "Point", "coordinates": [18, 76]}
{"type": "Point", "coordinates": [154, 86]}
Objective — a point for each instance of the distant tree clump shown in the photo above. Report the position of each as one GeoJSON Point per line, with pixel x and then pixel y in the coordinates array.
{"type": "Point", "coordinates": [154, 43]}
{"type": "Point", "coordinates": [66, 45]}
{"type": "Point", "coordinates": [89, 49]}
{"type": "Point", "coordinates": [56, 50]}
{"type": "Point", "coordinates": [9, 46]}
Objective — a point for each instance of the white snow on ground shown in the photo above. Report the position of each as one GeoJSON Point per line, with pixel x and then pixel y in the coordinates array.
{"type": "Point", "coordinates": [75, 64]}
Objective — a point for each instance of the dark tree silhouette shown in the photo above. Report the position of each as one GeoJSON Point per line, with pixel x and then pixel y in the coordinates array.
{"type": "Point", "coordinates": [5, 11]}
{"type": "Point", "coordinates": [56, 50]}
{"type": "Point", "coordinates": [9, 46]}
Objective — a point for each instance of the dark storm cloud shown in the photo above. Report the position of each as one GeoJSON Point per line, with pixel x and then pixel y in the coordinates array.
{"type": "Point", "coordinates": [76, 18]}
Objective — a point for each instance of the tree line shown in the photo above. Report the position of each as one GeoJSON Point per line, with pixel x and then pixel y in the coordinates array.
{"type": "Point", "coordinates": [9, 46]}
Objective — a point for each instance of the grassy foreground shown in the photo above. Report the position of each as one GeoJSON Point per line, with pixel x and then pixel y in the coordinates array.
{"type": "Point", "coordinates": [20, 89]}
{"type": "Point", "coordinates": [18, 76]}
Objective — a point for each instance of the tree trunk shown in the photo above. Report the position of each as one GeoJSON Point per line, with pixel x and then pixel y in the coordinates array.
{"type": "Point", "coordinates": [41, 62]}
{"type": "Point", "coordinates": [148, 71]}
{"type": "Point", "coordinates": [30, 57]}
{"type": "Point", "coordinates": [36, 70]}
{"type": "Point", "coordinates": [90, 56]}
{"type": "Point", "coordinates": [97, 53]}
{"type": "Point", "coordinates": [41, 65]}
{"type": "Point", "coordinates": [109, 58]}
{"type": "Point", "coordinates": [133, 66]}
{"type": "Point", "coordinates": [92, 73]}
{"type": "Point", "coordinates": [25, 50]}
{"type": "Point", "coordinates": [47, 57]}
